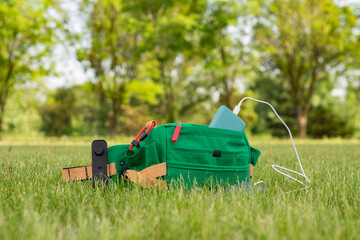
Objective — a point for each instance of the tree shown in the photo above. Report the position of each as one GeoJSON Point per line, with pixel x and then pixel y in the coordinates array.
{"type": "Point", "coordinates": [299, 42]}
{"type": "Point", "coordinates": [26, 36]}
{"type": "Point", "coordinates": [273, 91]}
{"type": "Point", "coordinates": [327, 122]}
{"type": "Point", "coordinates": [173, 41]}
{"type": "Point", "coordinates": [112, 51]}
{"type": "Point", "coordinates": [89, 118]}
{"type": "Point", "coordinates": [223, 48]}
{"type": "Point", "coordinates": [57, 112]}
{"type": "Point", "coordinates": [21, 113]}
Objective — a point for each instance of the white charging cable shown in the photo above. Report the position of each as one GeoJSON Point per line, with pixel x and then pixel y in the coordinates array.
{"type": "Point", "coordinates": [277, 167]}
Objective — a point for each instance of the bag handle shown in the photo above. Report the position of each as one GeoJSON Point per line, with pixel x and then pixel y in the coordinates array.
{"type": "Point", "coordinates": [141, 136]}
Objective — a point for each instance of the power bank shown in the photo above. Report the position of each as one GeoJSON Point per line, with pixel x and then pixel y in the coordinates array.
{"type": "Point", "coordinates": [224, 118]}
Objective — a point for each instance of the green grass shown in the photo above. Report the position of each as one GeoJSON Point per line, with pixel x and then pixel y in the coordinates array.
{"type": "Point", "coordinates": [36, 204]}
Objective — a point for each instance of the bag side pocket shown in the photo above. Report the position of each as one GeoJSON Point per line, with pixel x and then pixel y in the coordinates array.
{"type": "Point", "coordinates": [143, 157]}
{"type": "Point", "coordinates": [255, 154]}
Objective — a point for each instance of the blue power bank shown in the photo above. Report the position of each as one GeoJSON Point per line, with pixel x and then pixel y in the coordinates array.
{"type": "Point", "coordinates": [226, 119]}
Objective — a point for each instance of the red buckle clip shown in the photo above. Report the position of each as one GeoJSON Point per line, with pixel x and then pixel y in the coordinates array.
{"type": "Point", "coordinates": [149, 125]}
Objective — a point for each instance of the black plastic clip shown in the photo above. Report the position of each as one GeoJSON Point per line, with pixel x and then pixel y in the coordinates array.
{"type": "Point", "coordinates": [135, 143]}
{"type": "Point", "coordinates": [143, 136]}
{"type": "Point", "coordinates": [124, 168]}
{"type": "Point", "coordinates": [99, 161]}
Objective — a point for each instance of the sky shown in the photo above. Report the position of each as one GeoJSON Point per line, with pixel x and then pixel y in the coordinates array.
{"type": "Point", "coordinates": [70, 70]}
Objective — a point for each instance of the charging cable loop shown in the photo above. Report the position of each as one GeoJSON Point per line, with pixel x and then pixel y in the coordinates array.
{"type": "Point", "coordinates": [276, 167]}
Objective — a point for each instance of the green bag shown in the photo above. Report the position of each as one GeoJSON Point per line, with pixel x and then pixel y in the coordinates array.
{"type": "Point", "coordinates": [198, 154]}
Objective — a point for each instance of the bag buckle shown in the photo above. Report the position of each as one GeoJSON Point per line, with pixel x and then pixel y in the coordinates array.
{"type": "Point", "coordinates": [124, 168]}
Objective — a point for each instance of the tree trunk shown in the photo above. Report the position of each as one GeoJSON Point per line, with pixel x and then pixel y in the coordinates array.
{"type": "Point", "coordinates": [2, 108]}
{"type": "Point", "coordinates": [112, 128]}
{"type": "Point", "coordinates": [302, 118]}
{"type": "Point", "coordinates": [113, 120]}
{"type": "Point", "coordinates": [170, 104]}
{"type": "Point", "coordinates": [170, 118]}
{"type": "Point", "coordinates": [227, 98]}
{"type": "Point", "coordinates": [59, 131]}
{"type": "Point", "coordinates": [169, 95]}
{"type": "Point", "coordinates": [1, 119]}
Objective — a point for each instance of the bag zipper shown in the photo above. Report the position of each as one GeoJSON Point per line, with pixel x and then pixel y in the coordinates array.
{"type": "Point", "coordinates": [176, 133]}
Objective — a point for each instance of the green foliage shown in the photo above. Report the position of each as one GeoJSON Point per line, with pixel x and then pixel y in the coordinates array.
{"type": "Point", "coordinates": [56, 113]}
{"type": "Point", "coordinates": [223, 48]}
{"type": "Point", "coordinates": [89, 118]}
{"type": "Point", "coordinates": [142, 92]}
{"type": "Point", "coordinates": [178, 61]}
{"type": "Point", "coordinates": [111, 52]}
{"type": "Point", "coordinates": [21, 116]}
{"type": "Point", "coordinates": [337, 123]}
{"type": "Point", "coordinates": [300, 41]}
{"type": "Point", "coordinates": [352, 100]}
{"type": "Point", "coordinates": [331, 116]}
{"type": "Point", "coordinates": [272, 91]}
{"type": "Point", "coordinates": [172, 42]}
{"type": "Point", "coordinates": [27, 31]}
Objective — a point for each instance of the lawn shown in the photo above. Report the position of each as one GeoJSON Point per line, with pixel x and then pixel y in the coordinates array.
{"type": "Point", "coordinates": [36, 204]}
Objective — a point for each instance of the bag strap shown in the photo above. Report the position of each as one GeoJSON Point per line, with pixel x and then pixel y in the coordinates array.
{"type": "Point", "coordinates": [255, 154]}
{"type": "Point", "coordinates": [84, 172]}
{"type": "Point", "coordinates": [157, 170]}
{"type": "Point", "coordinates": [251, 170]}
{"type": "Point", "coordinates": [148, 176]}
{"type": "Point", "coordinates": [145, 178]}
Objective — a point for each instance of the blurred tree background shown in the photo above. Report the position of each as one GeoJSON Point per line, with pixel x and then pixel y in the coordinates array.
{"type": "Point", "coordinates": [178, 62]}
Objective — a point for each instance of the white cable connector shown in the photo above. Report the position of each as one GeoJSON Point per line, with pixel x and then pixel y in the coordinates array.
{"type": "Point", "coordinates": [237, 109]}
{"type": "Point", "coordinates": [277, 167]}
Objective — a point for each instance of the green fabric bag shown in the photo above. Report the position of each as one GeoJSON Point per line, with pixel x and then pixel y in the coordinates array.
{"type": "Point", "coordinates": [199, 154]}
